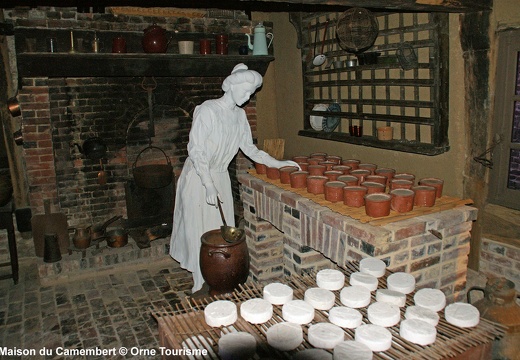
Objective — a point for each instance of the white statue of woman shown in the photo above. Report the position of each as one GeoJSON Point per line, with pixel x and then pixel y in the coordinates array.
{"type": "Point", "coordinates": [219, 129]}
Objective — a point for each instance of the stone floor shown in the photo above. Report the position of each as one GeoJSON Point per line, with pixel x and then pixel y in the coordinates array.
{"type": "Point", "coordinates": [108, 311]}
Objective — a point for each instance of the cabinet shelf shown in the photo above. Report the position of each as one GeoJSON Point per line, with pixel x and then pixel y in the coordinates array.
{"type": "Point", "coordinates": [134, 64]}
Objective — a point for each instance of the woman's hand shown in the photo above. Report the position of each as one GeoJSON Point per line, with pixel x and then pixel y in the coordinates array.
{"type": "Point", "coordinates": [281, 163]}
{"type": "Point", "coordinates": [211, 195]}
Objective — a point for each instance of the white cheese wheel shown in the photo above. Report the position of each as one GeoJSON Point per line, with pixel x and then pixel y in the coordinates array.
{"type": "Point", "coordinates": [372, 266]}
{"type": "Point", "coordinates": [420, 313]}
{"type": "Point", "coordinates": [366, 280]}
{"type": "Point", "coordinates": [401, 281]}
{"type": "Point", "coordinates": [320, 299]}
{"type": "Point", "coordinates": [418, 331]}
{"type": "Point", "coordinates": [462, 315]}
{"type": "Point", "coordinates": [432, 299]}
{"type": "Point", "coordinates": [312, 354]}
{"type": "Point", "coordinates": [325, 335]}
{"type": "Point", "coordinates": [236, 345]}
{"type": "Point", "coordinates": [383, 314]}
{"type": "Point", "coordinates": [355, 296]}
{"type": "Point", "coordinates": [392, 297]}
{"type": "Point", "coordinates": [330, 279]}
{"type": "Point", "coordinates": [256, 311]}
{"type": "Point", "coordinates": [221, 313]}
{"type": "Point", "coordinates": [352, 350]}
{"type": "Point", "coordinates": [345, 317]}
{"type": "Point", "coordinates": [298, 312]}
{"type": "Point", "coordinates": [285, 336]}
{"type": "Point", "coordinates": [376, 337]}
{"type": "Point", "coordinates": [278, 293]}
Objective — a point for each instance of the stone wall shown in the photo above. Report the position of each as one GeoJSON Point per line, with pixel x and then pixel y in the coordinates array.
{"type": "Point", "coordinates": [499, 259]}
{"type": "Point", "coordinates": [289, 234]}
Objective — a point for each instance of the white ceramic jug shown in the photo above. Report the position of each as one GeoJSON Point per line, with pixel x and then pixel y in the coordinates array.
{"type": "Point", "coordinates": [260, 45]}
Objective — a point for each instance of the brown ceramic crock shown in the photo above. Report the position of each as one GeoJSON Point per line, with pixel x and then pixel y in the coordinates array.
{"type": "Point", "coordinates": [343, 168]}
{"type": "Point", "coordinates": [334, 191]}
{"type": "Point", "coordinates": [424, 196]}
{"type": "Point", "coordinates": [402, 200]}
{"type": "Point", "coordinates": [328, 165]}
{"type": "Point", "coordinates": [319, 155]}
{"type": "Point", "coordinates": [316, 170]}
{"type": "Point", "coordinates": [405, 176]}
{"type": "Point", "coordinates": [376, 178]}
{"type": "Point", "coordinates": [349, 180]}
{"type": "Point", "coordinates": [377, 205]}
{"type": "Point", "coordinates": [368, 166]}
{"type": "Point", "coordinates": [438, 184]}
{"type": "Point", "coordinates": [400, 184]}
{"type": "Point", "coordinates": [300, 159]}
{"type": "Point", "coordinates": [299, 179]}
{"type": "Point", "coordinates": [223, 265]}
{"type": "Point", "coordinates": [386, 172]}
{"type": "Point", "coordinates": [373, 187]}
{"type": "Point", "coordinates": [316, 184]}
{"type": "Point", "coordinates": [334, 158]}
{"type": "Point", "coordinates": [285, 174]}
{"type": "Point", "coordinates": [360, 174]}
{"type": "Point", "coordinates": [353, 163]}
{"type": "Point", "coordinates": [304, 166]}
{"type": "Point", "coordinates": [273, 173]}
{"type": "Point", "coordinates": [314, 161]}
{"type": "Point", "coordinates": [260, 168]}
{"type": "Point", "coordinates": [333, 174]}
{"type": "Point", "coordinates": [354, 196]}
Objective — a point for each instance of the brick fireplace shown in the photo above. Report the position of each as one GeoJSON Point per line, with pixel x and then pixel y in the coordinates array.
{"type": "Point", "coordinates": [60, 112]}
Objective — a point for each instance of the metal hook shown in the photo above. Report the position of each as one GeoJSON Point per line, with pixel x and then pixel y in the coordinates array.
{"type": "Point", "coordinates": [152, 86]}
{"type": "Point", "coordinates": [481, 159]}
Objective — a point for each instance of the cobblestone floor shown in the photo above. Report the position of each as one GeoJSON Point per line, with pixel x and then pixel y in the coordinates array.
{"type": "Point", "coordinates": [110, 310]}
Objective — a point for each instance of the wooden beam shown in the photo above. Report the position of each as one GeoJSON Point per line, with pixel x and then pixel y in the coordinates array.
{"type": "Point", "coordinates": [397, 5]}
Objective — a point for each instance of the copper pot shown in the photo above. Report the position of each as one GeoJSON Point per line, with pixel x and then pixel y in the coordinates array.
{"type": "Point", "coordinates": [14, 107]}
{"type": "Point", "coordinates": [98, 231]}
{"type": "Point", "coordinates": [117, 238]}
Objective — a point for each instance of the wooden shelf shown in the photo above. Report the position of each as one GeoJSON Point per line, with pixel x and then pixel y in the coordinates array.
{"type": "Point", "coordinates": [134, 64]}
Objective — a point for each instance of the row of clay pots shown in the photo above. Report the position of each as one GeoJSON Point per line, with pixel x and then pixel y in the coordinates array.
{"type": "Point", "coordinates": [357, 184]}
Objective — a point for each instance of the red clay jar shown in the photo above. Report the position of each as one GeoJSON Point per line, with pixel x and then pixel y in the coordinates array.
{"type": "Point", "coordinates": [386, 172]}
{"type": "Point", "coordinates": [368, 166]}
{"type": "Point", "coordinates": [400, 184]}
{"type": "Point", "coordinates": [435, 182]}
{"type": "Point", "coordinates": [333, 175]}
{"type": "Point", "coordinates": [354, 196]}
{"type": "Point", "coordinates": [316, 170]}
{"type": "Point", "coordinates": [377, 205]}
{"type": "Point", "coordinates": [285, 174]}
{"type": "Point", "coordinates": [360, 174]}
{"type": "Point", "coordinates": [260, 168]}
{"type": "Point", "coordinates": [299, 179]}
{"type": "Point", "coordinates": [334, 158]}
{"type": "Point", "coordinates": [377, 178]}
{"type": "Point", "coordinates": [334, 191]}
{"type": "Point", "coordinates": [349, 180]}
{"type": "Point", "coordinates": [314, 161]}
{"type": "Point", "coordinates": [319, 155]}
{"type": "Point", "coordinates": [300, 159]}
{"type": "Point", "coordinates": [328, 165]}
{"type": "Point", "coordinates": [343, 168]}
{"type": "Point", "coordinates": [402, 200]}
{"type": "Point", "coordinates": [424, 195]}
{"type": "Point", "coordinates": [304, 166]}
{"type": "Point", "coordinates": [405, 176]}
{"type": "Point", "coordinates": [373, 187]}
{"type": "Point", "coordinates": [273, 173]}
{"type": "Point", "coordinates": [316, 184]}
{"type": "Point", "coordinates": [353, 163]}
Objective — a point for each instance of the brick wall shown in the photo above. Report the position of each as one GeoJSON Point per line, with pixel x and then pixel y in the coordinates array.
{"type": "Point", "coordinates": [500, 260]}
{"type": "Point", "coordinates": [315, 237]}
{"type": "Point", "coordinates": [60, 112]}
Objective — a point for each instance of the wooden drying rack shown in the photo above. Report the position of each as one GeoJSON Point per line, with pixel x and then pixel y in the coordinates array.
{"type": "Point", "coordinates": [184, 325]}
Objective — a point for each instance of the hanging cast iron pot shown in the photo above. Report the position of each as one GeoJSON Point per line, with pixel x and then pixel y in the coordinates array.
{"type": "Point", "coordinates": [93, 148]}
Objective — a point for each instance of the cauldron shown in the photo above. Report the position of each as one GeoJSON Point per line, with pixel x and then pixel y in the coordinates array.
{"type": "Point", "coordinates": [223, 265]}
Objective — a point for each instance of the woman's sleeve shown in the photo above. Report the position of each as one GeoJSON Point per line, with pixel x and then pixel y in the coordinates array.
{"type": "Point", "coordinates": [250, 149]}
{"type": "Point", "coordinates": [200, 130]}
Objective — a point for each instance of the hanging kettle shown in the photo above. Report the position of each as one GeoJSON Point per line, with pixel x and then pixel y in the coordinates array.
{"type": "Point", "coordinates": [260, 45]}
{"type": "Point", "coordinates": [93, 148]}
